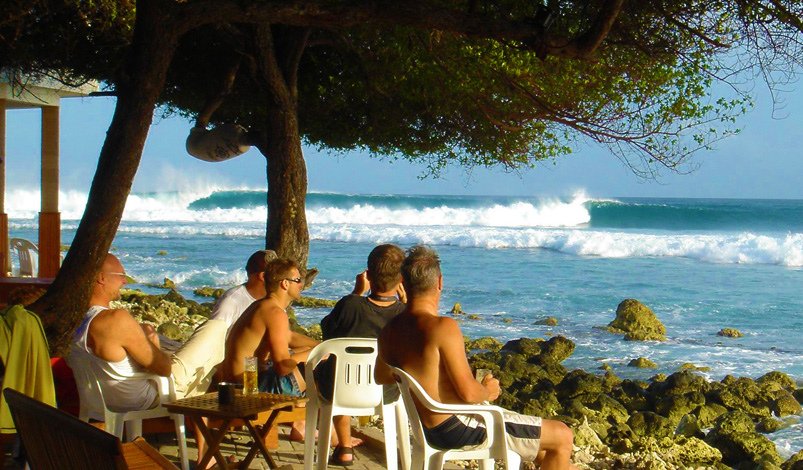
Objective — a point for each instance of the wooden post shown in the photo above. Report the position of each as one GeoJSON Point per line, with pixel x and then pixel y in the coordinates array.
{"type": "Point", "coordinates": [5, 261]}
{"type": "Point", "coordinates": [49, 217]}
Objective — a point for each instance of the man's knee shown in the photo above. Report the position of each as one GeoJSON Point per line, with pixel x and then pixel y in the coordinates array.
{"type": "Point", "coordinates": [565, 436]}
{"type": "Point", "coordinates": [560, 436]}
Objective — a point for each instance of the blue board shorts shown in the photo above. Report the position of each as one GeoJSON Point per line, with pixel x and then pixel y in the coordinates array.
{"type": "Point", "coordinates": [271, 382]}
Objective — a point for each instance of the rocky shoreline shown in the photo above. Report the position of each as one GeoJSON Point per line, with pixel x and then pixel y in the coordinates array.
{"type": "Point", "coordinates": [675, 421]}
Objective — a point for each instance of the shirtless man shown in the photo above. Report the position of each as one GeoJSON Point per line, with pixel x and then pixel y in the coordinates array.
{"type": "Point", "coordinates": [263, 330]}
{"type": "Point", "coordinates": [431, 349]}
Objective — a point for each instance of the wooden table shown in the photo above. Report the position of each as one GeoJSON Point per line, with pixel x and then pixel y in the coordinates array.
{"type": "Point", "coordinates": [245, 408]}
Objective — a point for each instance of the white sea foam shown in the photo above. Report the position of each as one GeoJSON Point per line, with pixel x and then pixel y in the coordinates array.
{"type": "Point", "coordinates": [547, 224]}
{"type": "Point", "coordinates": [174, 207]}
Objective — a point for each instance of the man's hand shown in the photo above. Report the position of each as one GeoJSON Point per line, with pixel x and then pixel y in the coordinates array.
{"type": "Point", "coordinates": [151, 334]}
{"type": "Point", "coordinates": [361, 284]}
{"type": "Point", "coordinates": [492, 385]}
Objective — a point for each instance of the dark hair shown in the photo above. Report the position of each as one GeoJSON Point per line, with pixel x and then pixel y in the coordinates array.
{"type": "Point", "coordinates": [384, 267]}
{"type": "Point", "coordinates": [276, 271]}
{"type": "Point", "coordinates": [421, 270]}
{"type": "Point", "coordinates": [257, 261]}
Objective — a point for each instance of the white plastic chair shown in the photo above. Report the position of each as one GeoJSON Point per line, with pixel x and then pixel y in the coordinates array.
{"type": "Point", "coordinates": [427, 457]}
{"type": "Point", "coordinates": [28, 255]}
{"type": "Point", "coordinates": [93, 406]}
{"type": "Point", "coordinates": [355, 394]}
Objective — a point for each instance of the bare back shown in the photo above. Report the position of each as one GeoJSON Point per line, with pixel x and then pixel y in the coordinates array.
{"type": "Point", "coordinates": [431, 349]}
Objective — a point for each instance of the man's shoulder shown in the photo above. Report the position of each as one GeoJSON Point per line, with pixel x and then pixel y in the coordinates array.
{"type": "Point", "coordinates": [351, 301]}
{"type": "Point", "coordinates": [233, 295]}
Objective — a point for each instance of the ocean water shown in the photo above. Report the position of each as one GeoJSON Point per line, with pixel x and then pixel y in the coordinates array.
{"type": "Point", "coordinates": [701, 265]}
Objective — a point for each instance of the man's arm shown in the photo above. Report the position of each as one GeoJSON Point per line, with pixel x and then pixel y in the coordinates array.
{"type": "Point", "coordinates": [143, 350]}
{"type": "Point", "coordinates": [279, 335]}
{"type": "Point", "coordinates": [455, 363]}
{"type": "Point", "coordinates": [382, 373]}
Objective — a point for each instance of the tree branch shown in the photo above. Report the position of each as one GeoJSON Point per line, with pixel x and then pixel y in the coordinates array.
{"type": "Point", "coordinates": [416, 14]}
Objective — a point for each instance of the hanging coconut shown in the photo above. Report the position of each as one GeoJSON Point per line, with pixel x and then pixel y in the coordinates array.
{"type": "Point", "coordinates": [216, 145]}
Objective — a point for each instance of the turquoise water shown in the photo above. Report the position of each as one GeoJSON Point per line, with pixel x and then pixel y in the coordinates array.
{"type": "Point", "coordinates": [701, 265]}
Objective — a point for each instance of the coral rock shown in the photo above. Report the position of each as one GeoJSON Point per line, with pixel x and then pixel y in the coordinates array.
{"type": "Point", "coordinates": [637, 321]}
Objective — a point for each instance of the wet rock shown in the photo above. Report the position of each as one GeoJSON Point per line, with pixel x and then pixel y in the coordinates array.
{"type": "Point", "coordinates": [642, 363]}
{"type": "Point", "coordinates": [795, 462]}
{"type": "Point", "coordinates": [542, 403]}
{"type": "Point", "coordinates": [637, 321]}
{"type": "Point", "coordinates": [172, 331]}
{"type": "Point", "coordinates": [632, 396]}
{"type": "Point", "coordinates": [507, 320]}
{"type": "Point", "coordinates": [473, 316]}
{"type": "Point", "coordinates": [735, 436]}
{"type": "Point", "coordinates": [770, 425]}
{"type": "Point", "coordinates": [674, 407]}
{"type": "Point", "coordinates": [785, 404]}
{"type": "Point", "coordinates": [579, 382]}
{"type": "Point", "coordinates": [548, 321]}
{"type": "Point", "coordinates": [213, 292]}
{"type": "Point", "coordinates": [679, 383]}
{"type": "Point", "coordinates": [525, 346]}
{"type": "Point", "coordinates": [162, 253]}
{"type": "Point", "coordinates": [743, 394]}
{"type": "Point", "coordinates": [707, 414]}
{"type": "Point", "coordinates": [688, 426]}
{"type": "Point", "coordinates": [730, 333]}
{"type": "Point", "coordinates": [647, 423]}
{"type": "Point", "coordinates": [313, 302]}
{"type": "Point", "coordinates": [692, 367]}
{"type": "Point", "coordinates": [168, 284]}
{"type": "Point", "coordinates": [555, 350]}
{"type": "Point", "coordinates": [487, 343]}
{"type": "Point", "coordinates": [798, 394]}
{"type": "Point", "coordinates": [772, 381]}
{"type": "Point", "coordinates": [610, 410]}
{"type": "Point", "coordinates": [457, 309]}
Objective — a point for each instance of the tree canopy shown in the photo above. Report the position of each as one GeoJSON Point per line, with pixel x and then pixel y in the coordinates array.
{"type": "Point", "coordinates": [468, 82]}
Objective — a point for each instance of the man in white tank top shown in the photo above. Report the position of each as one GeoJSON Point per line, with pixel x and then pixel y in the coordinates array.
{"type": "Point", "coordinates": [120, 346]}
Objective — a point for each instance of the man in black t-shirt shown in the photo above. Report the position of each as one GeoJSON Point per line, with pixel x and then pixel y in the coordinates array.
{"type": "Point", "coordinates": [358, 316]}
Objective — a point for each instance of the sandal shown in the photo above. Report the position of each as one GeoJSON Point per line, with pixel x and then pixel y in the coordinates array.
{"type": "Point", "coordinates": [339, 453]}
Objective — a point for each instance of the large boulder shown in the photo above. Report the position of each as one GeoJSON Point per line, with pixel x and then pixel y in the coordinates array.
{"type": "Point", "coordinates": [741, 446]}
{"type": "Point", "coordinates": [555, 350]}
{"type": "Point", "coordinates": [637, 322]}
{"type": "Point", "coordinates": [743, 394]}
{"type": "Point", "coordinates": [775, 380]}
{"type": "Point", "coordinates": [785, 404]}
{"type": "Point", "coordinates": [647, 423]}
{"type": "Point", "coordinates": [579, 382]}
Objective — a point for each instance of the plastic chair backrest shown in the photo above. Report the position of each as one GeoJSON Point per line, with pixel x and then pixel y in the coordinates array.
{"type": "Point", "coordinates": [55, 440]}
{"type": "Point", "coordinates": [426, 456]}
{"type": "Point", "coordinates": [354, 385]}
{"type": "Point", "coordinates": [90, 395]}
{"type": "Point", "coordinates": [25, 252]}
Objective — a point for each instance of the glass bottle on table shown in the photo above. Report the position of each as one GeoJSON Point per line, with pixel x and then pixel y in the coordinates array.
{"type": "Point", "coordinates": [250, 386]}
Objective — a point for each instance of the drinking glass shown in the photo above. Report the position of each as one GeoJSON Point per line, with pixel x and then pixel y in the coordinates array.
{"type": "Point", "coordinates": [250, 386]}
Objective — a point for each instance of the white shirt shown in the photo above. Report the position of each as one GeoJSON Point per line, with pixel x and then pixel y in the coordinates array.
{"type": "Point", "coordinates": [231, 305]}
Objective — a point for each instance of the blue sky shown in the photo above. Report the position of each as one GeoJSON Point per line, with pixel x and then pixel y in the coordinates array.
{"type": "Point", "coordinates": [765, 161]}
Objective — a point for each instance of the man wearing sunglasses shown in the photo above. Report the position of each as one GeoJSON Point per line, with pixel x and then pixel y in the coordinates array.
{"type": "Point", "coordinates": [263, 330]}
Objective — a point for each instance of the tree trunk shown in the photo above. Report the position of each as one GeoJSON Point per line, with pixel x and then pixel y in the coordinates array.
{"type": "Point", "coordinates": [287, 187]}
{"type": "Point", "coordinates": [66, 301]}
{"type": "Point", "coordinates": [286, 230]}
